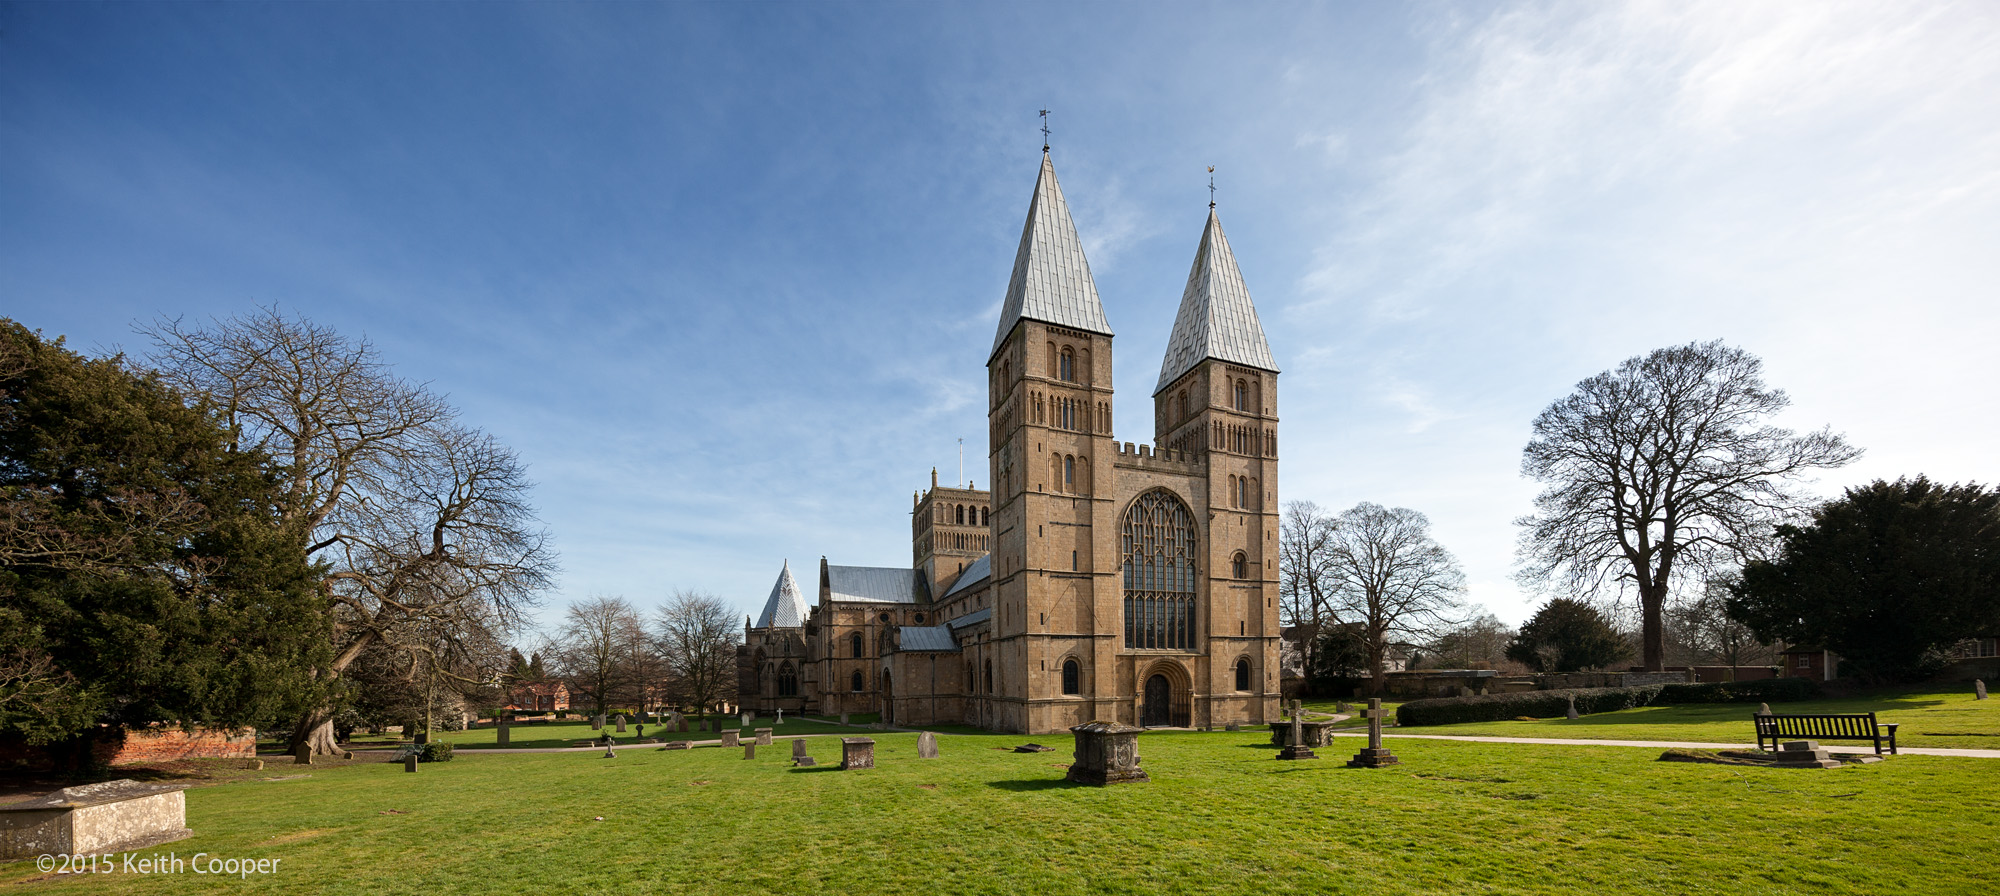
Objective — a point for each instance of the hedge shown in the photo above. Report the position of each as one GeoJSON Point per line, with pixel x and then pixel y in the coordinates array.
{"type": "Point", "coordinates": [1555, 703]}
{"type": "Point", "coordinates": [435, 751]}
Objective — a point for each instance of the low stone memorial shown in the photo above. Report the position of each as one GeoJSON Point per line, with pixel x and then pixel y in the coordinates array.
{"type": "Point", "coordinates": [113, 816]}
{"type": "Point", "coordinates": [1763, 709]}
{"type": "Point", "coordinates": [763, 737]}
{"type": "Point", "coordinates": [1374, 755]}
{"type": "Point", "coordinates": [843, 718]}
{"type": "Point", "coordinates": [744, 718]}
{"type": "Point", "coordinates": [799, 754]}
{"type": "Point", "coordinates": [502, 736]}
{"type": "Point", "coordinates": [302, 755]}
{"type": "Point", "coordinates": [1979, 689]}
{"type": "Point", "coordinates": [781, 718]}
{"type": "Point", "coordinates": [681, 726]}
{"type": "Point", "coordinates": [856, 752]}
{"type": "Point", "coordinates": [1295, 747]}
{"type": "Point", "coordinates": [1316, 732]}
{"type": "Point", "coordinates": [1340, 706]}
{"type": "Point", "coordinates": [621, 723]}
{"type": "Point", "coordinates": [750, 750]}
{"type": "Point", "coordinates": [1106, 753]}
{"type": "Point", "coordinates": [680, 745]}
{"type": "Point", "coordinates": [597, 723]}
{"type": "Point", "coordinates": [927, 746]}
{"type": "Point", "coordinates": [1805, 754]}
{"type": "Point", "coordinates": [1571, 713]}
{"type": "Point", "coordinates": [1232, 726]}
{"type": "Point", "coordinates": [608, 752]}
{"type": "Point", "coordinates": [730, 739]}
{"type": "Point", "coordinates": [410, 763]}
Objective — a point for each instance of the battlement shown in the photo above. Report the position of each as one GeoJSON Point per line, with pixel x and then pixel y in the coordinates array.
{"type": "Point", "coordinates": [1145, 457]}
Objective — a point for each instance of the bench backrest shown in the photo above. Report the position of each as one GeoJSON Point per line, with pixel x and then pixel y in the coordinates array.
{"type": "Point", "coordinates": [1821, 725]}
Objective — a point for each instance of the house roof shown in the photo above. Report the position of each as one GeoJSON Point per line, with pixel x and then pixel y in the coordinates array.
{"type": "Point", "coordinates": [873, 584]}
{"type": "Point", "coordinates": [1217, 319]}
{"type": "Point", "coordinates": [974, 576]}
{"type": "Point", "coordinates": [786, 607]}
{"type": "Point", "coordinates": [1051, 281]}
{"type": "Point", "coordinates": [926, 639]}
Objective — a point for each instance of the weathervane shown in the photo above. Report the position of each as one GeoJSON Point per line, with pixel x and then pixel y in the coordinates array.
{"type": "Point", "coordinates": [1045, 130]}
{"type": "Point", "coordinates": [1211, 186]}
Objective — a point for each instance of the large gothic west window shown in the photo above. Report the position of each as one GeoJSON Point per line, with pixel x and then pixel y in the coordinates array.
{"type": "Point", "coordinates": [1160, 543]}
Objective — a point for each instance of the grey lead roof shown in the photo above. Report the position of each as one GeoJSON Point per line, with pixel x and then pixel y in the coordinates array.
{"type": "Point", "coordinates": [1216, 319]}
{"type": "Point", "coordinates": [973, 618]}
{"type": "Point", "coordinates": [874, 584]}
{"type": "Point", "coordinates": [973, 576]}
{"type": "Point", "coordinates": [931, 639]}
{"type": "Point", "coordinates": [787, 607]}
{"type": "Point", "coordinates": [1051, 281]}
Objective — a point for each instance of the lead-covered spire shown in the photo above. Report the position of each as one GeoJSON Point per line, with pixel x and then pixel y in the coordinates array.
{"type": "Point", "coordinates": [1217, 319]}
{"type": "Point", "coordinates": [1051, 281]}
{"type": "Point", "coordinates": [787, 607]}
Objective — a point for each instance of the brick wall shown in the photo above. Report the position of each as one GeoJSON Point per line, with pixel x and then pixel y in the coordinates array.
{"type": "Point", "coordinates": [167, 744]}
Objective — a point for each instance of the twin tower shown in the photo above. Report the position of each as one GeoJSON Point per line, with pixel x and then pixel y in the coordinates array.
{"type": "Point", "coordinates": [1097, 579]}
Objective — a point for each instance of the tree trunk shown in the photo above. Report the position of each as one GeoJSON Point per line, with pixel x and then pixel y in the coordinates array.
{"type": "Point", "coordinates": [1652, 628]}
{"type": "Point", "coordinates": [315, 729]}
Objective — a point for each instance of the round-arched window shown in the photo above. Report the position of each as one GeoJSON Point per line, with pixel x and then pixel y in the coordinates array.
{"type": "Point", "coordinates": [1239, 566]}
{"type": "Point", "coordinates": [857, 681]}
{"type": "Point", "coordinates": [1160, 543]}
{"type": "Point", "coordinates": [854, 645]}
{"type": "Point", "coordinates": [1243, 675]}
{"type": "Point", "coordinates": [1071, 677]}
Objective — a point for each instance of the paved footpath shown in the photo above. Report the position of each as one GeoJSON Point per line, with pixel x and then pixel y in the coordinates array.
{"type": "Point", "coordinates": [1670, 744]}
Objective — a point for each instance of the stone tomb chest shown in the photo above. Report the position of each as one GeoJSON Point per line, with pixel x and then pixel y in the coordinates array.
{"type": "Point", "coordinates": [1315, 734]}
{"type": "Point", "coordinates": [1106, 753]}
{"type": "Point", "coordinates": [114, 816]}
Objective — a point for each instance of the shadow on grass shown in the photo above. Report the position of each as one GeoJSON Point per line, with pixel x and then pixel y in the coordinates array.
{"type": "Point", "coordinates": [1036, 784]}
{"type": "Point", "coordinates": [807, 769]}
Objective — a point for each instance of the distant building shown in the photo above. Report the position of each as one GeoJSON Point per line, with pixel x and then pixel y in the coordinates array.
{"type": "Point", "coordinates": [539, 696]}
{"type": "Point", "coordinates": [1098, 579]}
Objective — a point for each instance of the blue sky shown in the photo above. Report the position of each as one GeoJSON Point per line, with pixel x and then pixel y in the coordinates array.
{"type": "Point", "coordinates": [726, 274]}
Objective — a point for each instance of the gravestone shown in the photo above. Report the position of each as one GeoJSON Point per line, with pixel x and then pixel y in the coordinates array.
{"type": "Point", "coordinates": [1232, 726]}
{"type": "Point", "coordinates": [1375, 755]}
{"type": "Point", "coordinates": [763, 737]}
{"type": "Point", "coordinates": [302, 755]}
{"type": "Point", "coordinates": [799, 756]}
{"type": "Point", "coordinates": [1805, 754]}
{"type": "Point", "coordinates": [1341, 707]}
{"type": "Point", "coordinates": [502, 736]}
{"type": "Point", "coordinates": [750, 750]}
{"type": "Point", "coordinates": [597, 722]}
{"type": "Point", "coordinates": [856, 752]}
{"type": "Point", "coordinates": [927, 746]}
{"type": "Point", "coordinates": [1978, 689]}
{"type": "Point", "coordinates": [1763, 709]}
{"type": "Point", "coordinates": [621, 723]}
{"type": "Point", "coordinates": [1570, 713]}
{"type": "Point", "coordinates": [1296, 748]}
{"type": "Point", "coordinates": [679, 745]}
{"type": "Point", "coordinates": [410, 763]}
{"type": "Point", "coordinates": [843, 718]}
{"type": "Point", "coordinates": [730, 739]}
{"type": "Point", "coordinates": [781, 718]}
{"type": "Point", "coordinates": [1106, 753]}
{"type": "Point", "coordinates": [743, 718]}
{"type": "Point", "coordinates": [608, 754]}
{"type": "Point", "coordinates": [681, 726]}
{"type": "Point", "coordinates": [89, 819]}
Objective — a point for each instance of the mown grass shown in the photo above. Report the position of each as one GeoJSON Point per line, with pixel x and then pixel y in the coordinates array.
{"type": "Point", "coordinates": [1931, 716]}
{"type": "Point", "coordinates": [1219, 817]}
{"type": "Point", "coordinates": [564, 734]}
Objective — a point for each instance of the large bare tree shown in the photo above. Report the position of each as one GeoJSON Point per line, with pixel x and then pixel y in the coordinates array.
{"type": "Point", "coordinates": [1663, 471]}
{"type": "Point", "coordinates": [422, 523]}
{"type": "Point", "coordinates": [601, 651]}
{"type": "Point", "coordinates": [1307, 579]}
{"type": "Point", "coordinates": [697, 636]}
{"type": "Point", "coordinates": [1394, 579]}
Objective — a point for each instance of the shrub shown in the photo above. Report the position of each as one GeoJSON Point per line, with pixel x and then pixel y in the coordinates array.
{"type": "Point", "coordinates": [435, 751]}
{"type": "Point", "coordinates": [1767, 690]}
{"type": "Point", "coordinates": [1536, 704]}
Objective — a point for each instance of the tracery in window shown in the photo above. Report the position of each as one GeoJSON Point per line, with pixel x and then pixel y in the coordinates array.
{"type": "Point", "coordinates": [1159, 543]}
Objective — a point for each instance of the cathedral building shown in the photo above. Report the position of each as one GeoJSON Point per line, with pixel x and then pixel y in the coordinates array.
{"type": "Point", "coordinates": [1098, 579]}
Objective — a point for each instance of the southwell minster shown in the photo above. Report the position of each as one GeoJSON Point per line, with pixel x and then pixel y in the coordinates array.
{"type": "Point", "coordinates": [1097, 579]}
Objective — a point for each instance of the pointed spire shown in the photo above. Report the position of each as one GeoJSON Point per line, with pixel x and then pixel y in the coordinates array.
{"type": "Point", "coordinates": [786, 608]}
{"type": "Point", "coordinates": [1216, 319]}
{"type": "Point", "coordinates": [1051, 281]}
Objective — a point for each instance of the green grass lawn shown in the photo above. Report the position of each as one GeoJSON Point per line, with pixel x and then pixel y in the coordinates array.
{"type": "Point", "coordinates": [1932, 716]}
{"type": "Point", "coordinates": [564, 734]}
{"type": "Point", "coordinates": [1219, 817]}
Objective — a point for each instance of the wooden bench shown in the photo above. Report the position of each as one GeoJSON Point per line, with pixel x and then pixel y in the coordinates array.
{"type": "Point", "coordinates": [1829, 726]}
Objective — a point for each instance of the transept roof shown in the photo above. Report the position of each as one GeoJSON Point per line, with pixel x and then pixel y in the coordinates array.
{"type": "Point", "coordinates": [1217, 319]}
{"type": "Point", "coordinates": [1051, 281]}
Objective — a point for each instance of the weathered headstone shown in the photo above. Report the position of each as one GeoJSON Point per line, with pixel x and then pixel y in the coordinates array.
{"type": "Point", "coordinates": [750, 750]}
{"type": "Point", "coordinates": [681, 727]}
{"type": "Point", "coordinates": [608, 754]}
{"type": "Point", "coordinates": [763, 737]}
{"type": "Point", "coordinates": [503, 735]}
{"type": "Point", "coordinates": [1570, 713]}
{"type": "Point", "coordinates": [744, 718]}
{"type": "Point", "coordinates": [1978, 689]}
{"type": "Point", "coordinates": [680, 745]}
{"type": "Point", "coordinates": [1374, 756]}
{"type": "Point", "coordinates": [1232, 726]}
{"type": "Point", "coordinates": [843, 718]}
{"type": "Point", "coordinates": [781, 718]}
{"type": "Point", "coordinates": [1763, 709]}
{"type": "Point", "coordinates": [730, 739]}
{"type": "Point", "coordinates": [927, 746]}
{"type": "Point", "coordinates": [1340, 706]}
{"type": "Point", "coordinates": [410, 763]}
{"type": "Point", "coordinates": [621, 723]}
{"type": "Point", "coordinates": [799, 755]}
{"type": "Point", "coordinates": [1805, 754]}
{"type": "Point", "coordinates": [1296, 748]}
{"type": "Point", "coordinates": [857, 752]}
{"type": "Point", "coordinates": [302, 755]}
{"type": "Point", "coordinates": [1106, 753]}
{"type": "Point", "coordinates": [597, 722]}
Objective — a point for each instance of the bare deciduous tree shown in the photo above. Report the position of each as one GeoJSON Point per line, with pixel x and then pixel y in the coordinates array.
{"type": "Point", "coordinates": [697, 636]}
{"type": "Point", "coordinates": [1662, 471]}
{"type": "Point", "coordinates": [1307, 579]}
{"type": "Point", "coordinates": [1393, 579]}
{"type": "Point", "coordinates": [601, 651]}
{"type": "Point", "coordinates": [1480, 642]}
{"type": "Point", "coordinates": [1704, 631]}
{"type": "Point", "coordinates": [422, 522]}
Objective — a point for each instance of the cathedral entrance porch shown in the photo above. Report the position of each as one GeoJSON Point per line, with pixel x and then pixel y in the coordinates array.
{"type": "Point", "coordinates": [1165, 697]}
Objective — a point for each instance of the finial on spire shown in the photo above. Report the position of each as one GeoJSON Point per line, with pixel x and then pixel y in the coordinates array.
{"type": "Point", "coordinates": [1045, 132]}
{"type": "Point", "coordinates": [1211, 186]}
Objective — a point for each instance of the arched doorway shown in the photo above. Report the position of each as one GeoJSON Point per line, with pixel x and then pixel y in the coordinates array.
{"type": "Point", "coordinates": [1157, 712]}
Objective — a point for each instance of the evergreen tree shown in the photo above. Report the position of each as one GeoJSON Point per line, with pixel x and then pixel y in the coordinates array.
{"type": "Point", "coordinates": [1567, 635]}
{"type": "Point", "coordinates": [144, 576]}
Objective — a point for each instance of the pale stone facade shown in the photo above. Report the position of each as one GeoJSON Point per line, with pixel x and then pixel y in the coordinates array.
{"type": "Point", "coordinates": [1099, 579]}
